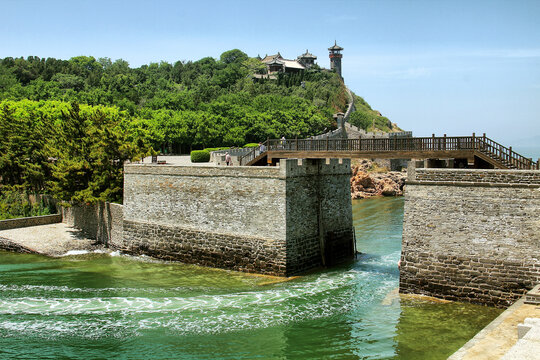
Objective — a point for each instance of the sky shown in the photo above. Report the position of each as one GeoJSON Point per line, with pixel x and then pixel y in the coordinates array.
{"type": "Point", "coordinates": [443, 67]}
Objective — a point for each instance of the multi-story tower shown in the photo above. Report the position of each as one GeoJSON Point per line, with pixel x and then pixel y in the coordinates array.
{"type": "Point", "coordinates": [335, 58]}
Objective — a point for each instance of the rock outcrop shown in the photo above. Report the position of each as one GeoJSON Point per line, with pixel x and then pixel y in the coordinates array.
{"type": "Point", "coordinates": [366, 183]}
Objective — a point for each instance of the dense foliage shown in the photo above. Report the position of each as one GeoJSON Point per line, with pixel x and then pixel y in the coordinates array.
{"type": "Point", "coordinates": [67, 126]}
{"type": "Point", "coordinates": [74, 152]}
{"type": "Point", "coordinates": [15, 204]}
{"type": "Point", "coordinates": [368, 119]}
{"type": "Point", "coordinates": [185, 105]}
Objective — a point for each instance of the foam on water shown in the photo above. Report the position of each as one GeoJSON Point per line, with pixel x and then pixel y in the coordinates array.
{"type": "Point", "coordinates": [324, 296]}
{"type": "Point", "coordinates": [75, 252]}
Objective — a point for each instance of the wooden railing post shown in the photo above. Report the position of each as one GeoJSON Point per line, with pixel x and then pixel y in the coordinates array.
{"type": "Point", "coordinates": [296, 141]}
{"type": "Point", "coordinates": [432, 141]}
{"type": "Point", "coordinates": [326, 142]}
{"type": "Point", "coordinates": [474, 141]}
{"type": "Point", "coordinates": [444, 143]}
{"type": "Point", "coordinates": [538, 164]}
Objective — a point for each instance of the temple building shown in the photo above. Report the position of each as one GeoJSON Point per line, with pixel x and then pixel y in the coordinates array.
{"type": "Point", "coordinates": [278, 64]}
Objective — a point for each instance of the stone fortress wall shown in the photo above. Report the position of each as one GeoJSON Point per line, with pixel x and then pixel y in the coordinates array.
{"type": "Point", "coordinates": [471, 235]}
{"type": "Point", "coordinates": [271, 220]}
{"type": "Point", "coordinates": [102, 221]}
{"type": "Point", "coordinates": [30, 221]}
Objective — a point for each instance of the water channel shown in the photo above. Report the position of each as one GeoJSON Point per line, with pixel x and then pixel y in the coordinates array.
{"type": "Point", "coordinates": [98, 306]}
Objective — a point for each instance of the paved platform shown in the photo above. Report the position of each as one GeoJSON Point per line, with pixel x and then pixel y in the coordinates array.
{"type": "Point", "coordinates": [183, 160]}
{"type": "Point", "coordinates": [499, 340]}
{"type": "Point", "coordinates": [53, 239]}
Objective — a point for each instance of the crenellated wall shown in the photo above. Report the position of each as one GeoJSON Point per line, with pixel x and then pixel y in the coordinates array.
{"type": "Point", "coordinates": [471, 235]}
{"type": "Point", "coordinates": [271, 220]}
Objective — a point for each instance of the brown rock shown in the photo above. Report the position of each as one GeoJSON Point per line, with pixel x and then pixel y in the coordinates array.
{"type": "Point", "coordinates": [366, 184]}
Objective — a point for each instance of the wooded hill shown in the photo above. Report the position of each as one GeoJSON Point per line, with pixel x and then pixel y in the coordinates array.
{"type": "Point", "coordinates": [66, 126]}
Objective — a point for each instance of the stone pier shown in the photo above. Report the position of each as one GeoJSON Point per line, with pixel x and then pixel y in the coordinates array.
{"type": "Point", "coordinates": [271, 220]}
{"type": "Point", "coordinates": [471, 235]}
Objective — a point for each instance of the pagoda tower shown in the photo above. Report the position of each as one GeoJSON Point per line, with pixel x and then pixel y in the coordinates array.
{"type": "Point", "coordinates": [335, 58]}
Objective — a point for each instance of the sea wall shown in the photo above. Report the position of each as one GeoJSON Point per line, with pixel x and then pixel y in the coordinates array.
{"type": "Point", "coordinates": [471, 235]}
{"type": "Point", "coordinates": [318, 212]}
{"type": "Point", "coordinates": [102, 221]}
{"type": "Point", "coordinates": [270, 220]}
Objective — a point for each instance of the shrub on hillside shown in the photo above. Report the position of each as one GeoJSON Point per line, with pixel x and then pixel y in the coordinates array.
{"type": "Point", "coordinates": [250, 145]}
{"type": "Point", "coordinates": [200, 156]}
{"type": "Point", "coordinates": [216, 148]}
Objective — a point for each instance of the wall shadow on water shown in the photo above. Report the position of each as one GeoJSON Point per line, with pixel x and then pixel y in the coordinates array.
{"type": "Point", "coordinates": [430, 329]}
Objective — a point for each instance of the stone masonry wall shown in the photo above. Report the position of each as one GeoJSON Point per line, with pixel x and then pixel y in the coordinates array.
{"type": "Point", "coordinates": [228, 251]}
{"type": "Point", "coordinates": [30, 221]}
{"type": "Point", "coordinates": [254, 219]}
{"type": "Point", "coordinates": [103, 221]}
{"type": "Point", "coordinates": [229, 217]}
{"type": "Point", "coordinates": [318, 208]}
{"type": "Point", "coordinates": [495, 176]}
{"type": "Point", "coordinates": [476, 241]}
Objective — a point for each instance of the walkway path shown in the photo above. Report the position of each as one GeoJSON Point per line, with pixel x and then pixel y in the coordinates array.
{"type": "Point", "coordinates": [498, 340]}
{"type": "Point", "coordinates": [53, 239]}
{"type": "Point", "coordinates": [183, 160]}
{"type": "Point", "coordinates": [473, 148]}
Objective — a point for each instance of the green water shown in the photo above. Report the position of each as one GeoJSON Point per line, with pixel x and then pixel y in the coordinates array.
{"type": "Point", "coordinates": [97, 306]}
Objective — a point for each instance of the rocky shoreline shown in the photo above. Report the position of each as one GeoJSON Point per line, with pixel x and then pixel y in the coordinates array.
{"type": "Point", "coordinates": [369, 180]}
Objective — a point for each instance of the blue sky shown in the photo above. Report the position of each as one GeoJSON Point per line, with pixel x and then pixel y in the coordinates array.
{"type": "Point", "coordinates": [453, 67]}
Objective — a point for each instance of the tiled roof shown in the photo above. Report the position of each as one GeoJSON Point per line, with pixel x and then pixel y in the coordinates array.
{"type": "Point", "coordinates": [293, 64]}
{"type": "Point", "coordinates": [307, 55]}
{"type": "Point", "coordinates": [335, 47]}
{"type": "Point", "coordinates": [278, 59]}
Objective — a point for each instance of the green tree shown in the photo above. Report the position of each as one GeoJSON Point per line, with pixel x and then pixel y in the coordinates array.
{"type": "Point", "coordinates": [92, 146]}
{"type": "Point", "coordinates": [233, 56]}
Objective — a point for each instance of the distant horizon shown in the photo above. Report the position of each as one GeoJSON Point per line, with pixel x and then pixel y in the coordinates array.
{"type": "Point", "coordinates": [451, 67]}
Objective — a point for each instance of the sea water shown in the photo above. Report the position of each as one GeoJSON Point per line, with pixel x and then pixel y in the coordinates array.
{"type": "Point", "coordinates": [103, 306]}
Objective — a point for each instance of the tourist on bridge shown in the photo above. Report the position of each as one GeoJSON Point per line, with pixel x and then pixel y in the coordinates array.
{"type": "Point", "coordinates": [228, 159]}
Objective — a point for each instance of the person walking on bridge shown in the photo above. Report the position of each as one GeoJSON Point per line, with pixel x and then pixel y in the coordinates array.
{"type": "Point", "coordinates": [228, 159]}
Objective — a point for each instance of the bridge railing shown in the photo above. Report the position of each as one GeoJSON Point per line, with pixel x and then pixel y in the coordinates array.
{"type": "Point", "coordinates": [494, 150]}
{"type": "Point", "coordinates": [505, 154]}
{"type": "Point", "coordinates": [252, 154]}
{"type": "Point", "coordinates": [375, 145]}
